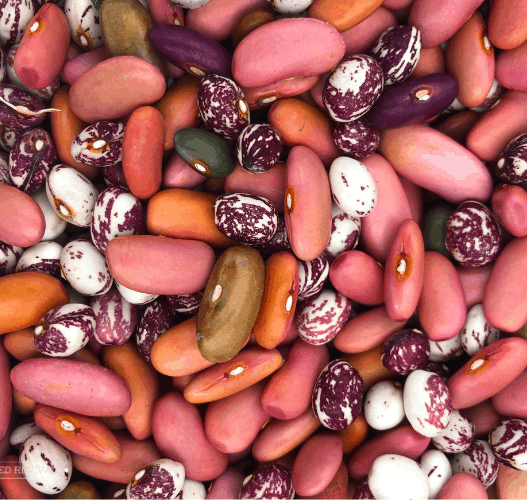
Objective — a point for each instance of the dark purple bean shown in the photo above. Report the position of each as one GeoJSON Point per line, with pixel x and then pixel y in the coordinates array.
{"type": "Point", "coordinates": [278, 243]}
{"type": "Point", "coordinates": [258, 148]}
{"type": "Point", "coordinates": [31, 158]}
{"type": "Point", "coordinates": [358, 138]}
{"type": "Point", "coordinates": [186, 304]}
{"type": "Point", "coordinates": [11, 118]}
{"type": "Point", "coordinates": [405, 351]}
{"type": "Point", "coordinates": [9, 257]}
{"type": "Point", "coordinates": [191, 51]}
{"type": "Point", "coordinates": [114, 176]}
{"type": "Point", "coordinates": [512, 165]}
{"type": "Point", "coordinates": [8, 136]}
{"type": "Point", "coordinates": [3, 64]}
{"type": "Point", "coordinates": [5, 177]}
{"type": "Point", "coordinates": [413, 101]}
{"type": "Point", "coordinates": [439, 369]}
{"type": "Point", "coordinates": [99, 144]}
{"type": "Point", "coordinates": [271, 481]}
{"type": "Point", "coordinates": [473, 236]}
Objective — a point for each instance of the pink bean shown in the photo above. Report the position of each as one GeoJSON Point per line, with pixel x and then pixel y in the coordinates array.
{"type": "Point", "coordinates": [414, 194]}
{"type": "Point", "coordinates": [509, 206]}
{"type": "Point", "coordinates": [178, 174]}
{"type": "Point", "coordinates": [509, 64]}
{"type": "Point", "coordinates": [512, 400]}
{"type": "Point", "coordinates": [227, 485]}
{"type": "Point", "coordinates": [463, 486]}
{"type": "Point", "coordinates": [484, 417]}
{"type": "Point", "coordinates": [473, 281]}
{"type": "Point", "coordinates": [166, 12]}
{"type": "Point", "coordinates": [76, 66]}
{"type": "Point", "coordinates": [5, 391]}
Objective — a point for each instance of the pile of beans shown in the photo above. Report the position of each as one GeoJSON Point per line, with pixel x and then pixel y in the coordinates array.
{"type": "Point", "coordinates": [264, 249]}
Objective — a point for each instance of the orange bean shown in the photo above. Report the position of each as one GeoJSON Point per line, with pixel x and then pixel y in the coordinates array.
{"type": "Point", "coordinates": [26, 297]}
{"type": "Point", "coordinates": [223, 379]}
{"type": "Point", "coordinates": [185, 214]}
{"type": "Point", "coordinates": [142, 380]}
{"type": "Point", "coordinates": [507, 23]}
{"type": "Point", "coordinates": [143, 151]}
{"type": "Point", "coordinates": [458, 126]}
{"type": "Point", "coordinates": [80, 434]}
{"type": "Point", "coordinates": [430, 61]}
{"type": "Point", "coordinates": [249, 22]}
{"type": "Point", "coordinates": [354, 435]}
{"type": "Point", "coordinates": [343, 14]}
{"type": "Point", "coordinates": [22, 404]}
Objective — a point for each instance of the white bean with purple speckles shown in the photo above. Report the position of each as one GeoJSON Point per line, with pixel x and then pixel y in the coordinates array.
{"type": "Point", "coordinates": [163, 478]}
{"type": "Point", "coordinates": [55, 225]}
{"type": "Point", "coordinates": [312, 275]}
{"type": "Point", "coordinates": [22, 432]}
{"type": "Point", "coordinates": [446, 350]}
{"type": "Point", "coordinates": [383, 405]}
{"type": "Point", "coordinates": [43, 257]}
{"type": "Point", "coordinates": [14, 18]}
{"type": "Point", "coordinates": [477, 460]}
{"type": "Point", "coordinates": [458, 434]}
{"type": "Point", "coordinates": [83, 19]}
{"type": "Point", "coordinates": [345, 232]}
{"type": "Point", "coordinates": [476, 332]}
{"type": "Point", "coordinates": [438, 470]}
{"type": "Point", "coordinates": [135, 297]}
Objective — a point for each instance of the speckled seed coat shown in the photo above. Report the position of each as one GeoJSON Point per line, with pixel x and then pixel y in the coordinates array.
{"type": "Point", "coordinates": [405, 351]}
{"type": "Point", "coordinates": [116, 213]}
{"type": "Point", "coordinates": [14, 18]}
{"type": "Point", "coordinates": [512, 165]}
{"type": "Point", "coordinates": [476, 332]}
{"type": "Point", "coordinates": [8, 136]}
{"type": "Point", "coordinates": [312, 275]}
{"type": "Point", "coordinates": [161, 479]}
{"type": "Point", "coordinates": [156, 318]}
{"type": "Point", "coordinates": [477, 460]}
{"type": "Point", "coordinates": [31, 158]}
{"type": "Point", "coordinates": [64, 330]}
{"type": "Point", "coordinates": [278, 243]}
{"type": "Point", "coordinates": [99, 144]}
{"type": "Point", "coordinates": [258, 147]}
{"type": "Point", "coordinates": [446, 350]}
{"type": "Point", "coordinates": [458, 434]}
{"type": "Point", "coordinates": [9, 257]}
{"type": "Point", "coordinates": [55, 225]}
{"type": "Point", "coordinates": [337, 395]}
{"type": "Point", "coordinates": [187, 303]}
{"type": "Point", "coordinates": [222, 106]}
{"type": "Point", "coordinates": [85, 27]}
{"type": "Point", "coordinates": [427, 403]}
{"type": "Point", "coordinates": [44, 257]}
{"type": "Point", "coordinates": [509, 443]}
{"type": "Point", "coordinates": [246, 218]}
{"type": "Point", "coordinates": [134, 297]}
{"type": "Point", "coordinates": [358, 138]}
{"type": "Point", "coordinates": [5, 177]}
{"type": "Point", "coordinates": [17, 97]}
{"type": "Point", "coordinates": [271, 481]}
{"type": "Point", "coordinates": [473, 236]}
{"type": "Point", "coordinates": [353, 87]}
{"type": "Point", "coordinates": [116, 318]}
{"type": "Point", "coordinates": [438, 368]}
{"type": "Point", "coordinates": [383, 405]}
{"type": "Point", "coordinates": [320, 317]}
{"type": "Point", "coordinates": [345, 232]}
{"type": "Point", "coordinates": [397, 50]}
{"type": "Point", "coordinates": [437, 467]}
{"type": "Point", "coordinates": [114, 176]}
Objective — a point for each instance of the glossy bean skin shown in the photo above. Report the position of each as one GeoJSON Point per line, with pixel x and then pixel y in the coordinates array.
{"type": "Point", "coordinates": [180, 435]}
{"type": "Point", "coordinates": [300, 123]}
{"type": "Point", "coordinates": [430, 61]}
{"type": "Point", "coordinates": [84, 388]}
{"type": "Point", "coordinates": [369, 365]}
{"type": "Point", "coordinates": [403, 274]}
{"type": "Point", "coordinates": [13, 482]}
{"type": "Point", "coordinates": [26, 297]}
{"type": "Point", "coordinates": [484, 417]}
{"type": "Point", "coordinates": [43, 47]}
{"type": "Point", "coordinates": [510, 401]}
{"type": "Point", "coordinates": [358, 276]}
{"type": "Point", "coordinates": [502, 300]}
{"type": "Point", "coordinates": [354, 435]}
{"type": "Point", "coordinates": [136, 454]}
{"type": "Point", "coordinates": [143, 151]}
{"type": "Point", "coordinates": [163, 266]}
{"type": "Point", "coordinates": [223, 379]}
{"type": "Point", "coordinates": [317, 461]}
{"type": "Point", "coordinates": [288, 392]}
{"type": "Point", "coordinates": [491, 134]}
{"type": "Point", "coordinates": [281, 436]}
{"type": "Point", "coordinates": [76, 66]}
{"type": "Point", "coordinates": [366, 330]}
{"type": "Point", "coordinates": [402, 440]}
{"type": "Point", "coordinates": [175, 353]}
{"type": "Point", "coordinates": [142, 380]}
{"type": "Point", "coordinates": [473, 281]}
{"type": "Point", "coordinates": [5, 392]}
{"type": "Point", "coordinates": [442, 308]}
{"type": "Point", "coordinates": [227, 485]}
{"type": "Point", "coordinates": [509, 207]}
{"type": "Point", "coordinates": [308, 226]}
{"type": "Point", "coordinates": [15, 205]}
{"type": "Point", "coordinates": [279, 300]}
{"type": "Point", "coordinates": [185, 214]}
{"type": "Point", "coordinates": [464, 485]}
{"type": "Point", "coordinates": [458, 126]}
{"type": "Point", "coordinates": [507, 24]}
{"type": "Point", "coordinates": [23, 404]}
{"type": "Point", "coordinates": [249, 22]}
{"type": "Point", "coordinates": [342, 15]}
{"type": "Point", "coordinates": [488, 372]}
{"type": "Point", "coordinates": [451, 171]}
{"type": "Point", "coordinates": [83, 435]}
{"type": "Point", "coordinates": [232, 423]}
{"type": "Point", "coordinates": [508, 64]}
{"type": "Point", "coordinates": [65, 126]}
{"type": "Point", "coordinates": [392, 208]}
{"type": "Point", "coordinates": [510, 483]}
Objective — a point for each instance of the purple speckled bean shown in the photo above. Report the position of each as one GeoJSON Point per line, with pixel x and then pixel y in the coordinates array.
{"type": "Point", "coordinates": [99, 144]}
{"type": "Point", "coordinates": [116, 213]}
{"type": "Point", "coordinates": [114, 176]}
{"type": "Point", "coordinates": [3, 63]}
{"type": "Point", "coordinates": [278, 243]}
{"type": "Point", "coordinates": [9, 257]}
{"type": "Point", "coordinates": [473, 236]}
{"type": "Point", "coordinates": [512, 165]}
{"type": "Point", "coordinates": [353, 87]}
{"type": "Point", "coordinates": [192, 489]}
{"type": "Point", "coordinates": [246, 218]}
{"type": "Point", "coordinates": [358, 138]}
{"type": "Point", "coordinates": [508, 441]}
{"type": "Point", "coordinates": [83, 18]}
{"type": "Point", "coordinates": [363, 492]}
{"type": "Point", "coordinates": [427, 403]}
{"type": "Point", "coordinates": [271, 481]}
{"type": "Point", "coordinates": [156, 318]}
{"type": "Point", "coordinates": [31, 158]}
{"type": "Point", "coordinates": [5, 177]}
{"type": "Point", "coordinates": [494, 95]}
{"type": "Point", "coordinates": [458, 435]}
{"type": "Point", "coordinates": [186, 304]}
{"type": "Point", "coordinates": [312, 275]}
{"type": "Point", "coordinates": [17, 97]}
{"type": "Point", "coordinates": [8, 136]}
{"type": "Point", "coordinates": [405, 351]}
{"type": "Point", "coordinates": [162, 479]}
{"type": "Point", "coordinates": [397, 50]}
{"type": "Point", "coordinates": [446, 350]}
{"type": "Point", "coordinates": [337, 395]}
{"type": "Point", "coordinates": [476, 332]}
{"type": "Point", "coordinates": [222, 106]}
{"type": "Point", "coordinates": [320, 317]}
{"type": "Point", "coordinates": [44, 257]}
{"type": "Point", "coordinates": [14, 18]}
{"type": "Point", "coordinates": [477, 460]}
{"type": "Point", "coordinates": [345, 232]}
{"type": "Point", "coordinates": [22, 432]}
{"type": "Point", "coordinates": [64, 330]}
{"type": "Point", "coordinates": [134, 297]}
{"type": "Point", "coordinates": [116, 318]}
{"type": "Point", "coordinates": [258, 148]}
{"type": "Point", "coordinates": [438, 368]}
